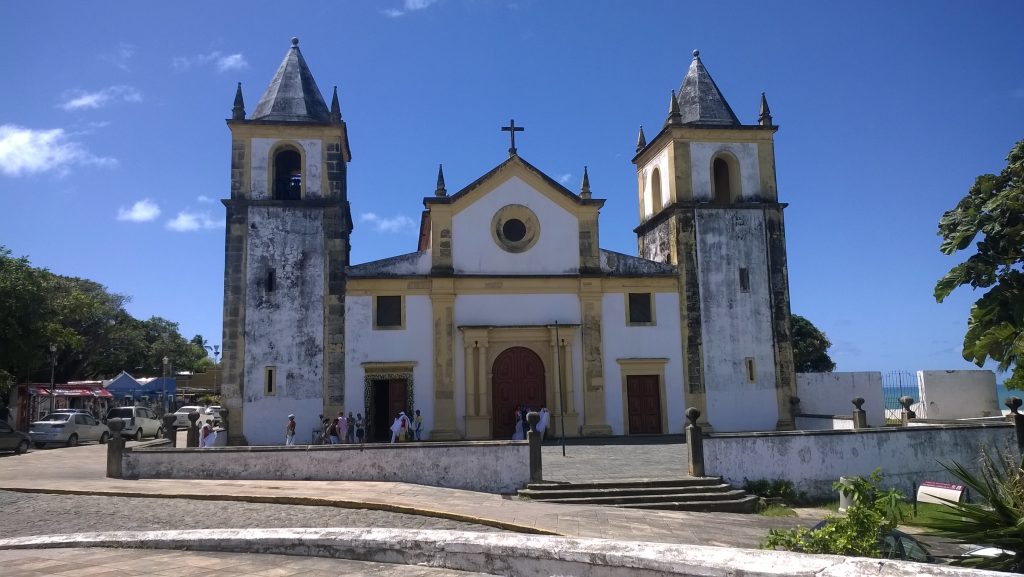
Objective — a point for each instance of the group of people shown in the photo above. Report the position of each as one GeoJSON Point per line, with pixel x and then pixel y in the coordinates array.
{"type": "Point", "coordinates": [344, 429]}
{"type": "Point", "coordinates": [405, 429]}
{"type": "Point", "coordinates": [522, 426]}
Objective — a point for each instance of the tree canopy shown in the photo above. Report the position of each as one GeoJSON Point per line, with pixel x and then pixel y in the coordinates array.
{"type": "Point", "coordinates": [810, 347]}
{"type": "Point", "coordinates": [993, 213]}
{"type": "Point", "coordinates": [94, 335]}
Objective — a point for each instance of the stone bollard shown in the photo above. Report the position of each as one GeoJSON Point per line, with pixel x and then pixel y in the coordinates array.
{"type": "Point", "coordinates": [224, 418]}
{"type": "Point", "coordinates": [794, 408]}
{"type": "Point", "coordinates": [115, 449]}
{"type": "Point", "coordinates": [192, 437]}
{"type": "Point", "coordinates": [170, 432]}
{"type": "Point", "coordinates": [860, 416]}
{"type": "Point", "coordinates": [694, 444]}
{"type": "Point", "coordinates": [907, 414]}
{"type": "Point", "coordinates": [533, 436]}
{"type": "Point", "coordinates": [1017, 419]}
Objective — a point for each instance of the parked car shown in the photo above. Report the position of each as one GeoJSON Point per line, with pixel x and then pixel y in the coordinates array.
{"type": "Point", "coordinates": [67, 429]}
{"type": "Point", "coordinates": [139, 422]}
{"type": "Point", "coordinates": [181, 416]}
{"type": "Point", "coordinates": [11, 440]}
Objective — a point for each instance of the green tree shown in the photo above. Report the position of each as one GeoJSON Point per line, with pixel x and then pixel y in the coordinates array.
{"type": "Point", "coordinates": [993, 213]}
{"type": "Point", "coordinates": [810, 347]}
{"type": "Point", "coordinates": [26, 326]}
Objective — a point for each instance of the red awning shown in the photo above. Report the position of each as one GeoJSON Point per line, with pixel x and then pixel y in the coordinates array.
{"type": "Point", "coordinates": [70, 391]}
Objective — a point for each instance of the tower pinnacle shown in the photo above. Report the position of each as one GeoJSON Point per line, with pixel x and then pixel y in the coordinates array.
{"type": "Point", "coordinates": [238, 110]}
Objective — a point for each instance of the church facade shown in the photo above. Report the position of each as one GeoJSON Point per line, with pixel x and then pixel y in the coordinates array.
{"type": "Point", "coordinates": [508, 298]}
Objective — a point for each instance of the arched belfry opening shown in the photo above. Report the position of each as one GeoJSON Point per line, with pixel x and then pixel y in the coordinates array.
{"type": "Point", "coordinates": [722, 181]}
{"type": "Point", "coordinates": [656, 203]}
{"type": "Point", "coordinates": [287, 174]}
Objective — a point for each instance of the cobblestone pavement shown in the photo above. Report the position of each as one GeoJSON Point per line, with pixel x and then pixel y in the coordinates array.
{"type": "Point", "coordinates": [144, 562]}
{"type": "Point", "coordinates": [27, 514]}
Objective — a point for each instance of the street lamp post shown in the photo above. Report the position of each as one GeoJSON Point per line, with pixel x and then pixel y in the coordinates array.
{"type": "Point", "coordinates": [164, 382]}
{"type": "Point", "coordinates": [216, 375]}
{"type": "Point", "coordinates": [53, 368]}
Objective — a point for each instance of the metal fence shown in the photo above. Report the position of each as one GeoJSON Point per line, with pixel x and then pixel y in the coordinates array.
{"type": "Point", "coordinates": [896, 384]}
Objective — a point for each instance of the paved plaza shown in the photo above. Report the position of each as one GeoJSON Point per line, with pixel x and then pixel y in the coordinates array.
{"type": "Point", "coordinates": [65, 490]}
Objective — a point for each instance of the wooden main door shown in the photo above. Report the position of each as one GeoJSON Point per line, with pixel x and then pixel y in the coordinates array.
{"type": "Point", "coordinates": [517, 378]}
{"type": "Point", "coordinates": [643, 398]}
{"type": "Point", "coordinates": [388, 398]}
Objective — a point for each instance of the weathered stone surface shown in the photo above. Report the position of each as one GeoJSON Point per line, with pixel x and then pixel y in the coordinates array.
{"type": "Point", "coordinates": [503, 554]}
{"type": "Point", "coordinates": [490, 466]}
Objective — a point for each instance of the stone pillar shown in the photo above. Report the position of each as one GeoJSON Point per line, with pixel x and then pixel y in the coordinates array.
{"type": "Point", "coordinates": [192, 438]}
{"type": "Point", "coordinates": [694, 444]}
{"type": "Point", "coordinates": [794, 409]}
{"type": "Point", "coordinates": [442, 299]}
{"type": "Point", "coordinates": [478, 398]}
{"type": "Point", "coordinates": [561, 378]}
{"type": "Point", "coordinates": [860, 416]}
{"type": "Point", "coordinates": [906, 414]}
{"type": "Point", "coordinates": [594, 419]}
{"type": "Point", "coordinates": [170, 432]}
{"type": "Point", "coordinates": [533, 436]}
{"type": "Point", "coordinates": [224, 423]}
{"type": "Point", "coordinates": [115, 449]}
{"type": "Point", "coordinates": [1017, 419]}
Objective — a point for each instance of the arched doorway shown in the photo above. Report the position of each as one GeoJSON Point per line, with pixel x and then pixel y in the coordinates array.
{"type": "Point", "coordinates": [517, 378]}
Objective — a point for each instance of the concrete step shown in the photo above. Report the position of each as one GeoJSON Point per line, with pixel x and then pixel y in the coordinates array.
{"type": "Point", "coordinates": [747, 504]}
{"type": "Point", "coordinates": [578, 492]}
{"type": "Point", "coordinates": [612, 499]}
{"type": "Point", "coordinates": [683, 482]}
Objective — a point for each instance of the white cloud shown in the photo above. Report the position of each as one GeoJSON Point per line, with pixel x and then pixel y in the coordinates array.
{"type": "Point", "coordinates": [398, 223]}
{"type": "Point", "coordinates": [206, 199]}
{"type": "Point", "coordinates": [565, 177]}
{"type": "Point", "coordinates": [223, 62]}
{"type": "Point", "coordinates": [28, 151]}
{"type": "Point", "coordinates": [191, 221]}
{"type": "Point", "coordinates": [144, 210]}
{"type": "Point", "coordinates": [407, 7]}
{"type": "Point", "coordinates": [82, 99]}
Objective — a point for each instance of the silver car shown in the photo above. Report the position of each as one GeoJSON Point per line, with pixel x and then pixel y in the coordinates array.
{"type": "Point", "coordinates": [67, 429]}
{"type": "Point", "coordinates": [139, 422]}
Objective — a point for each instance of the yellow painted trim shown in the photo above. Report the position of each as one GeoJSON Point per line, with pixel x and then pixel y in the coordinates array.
{"type": "Point", "coordinates": [766, 166]}
{"type": "Point", "coordinates": [401, 301]}
{"type": "Point", "coordinates": [512, 285]}
{"type": "Point", "coordinates": [380, 367]}
{"type": "Point", "coordinates": [516, 169]}
{"type": "Point", "coordinates": [638, 367]}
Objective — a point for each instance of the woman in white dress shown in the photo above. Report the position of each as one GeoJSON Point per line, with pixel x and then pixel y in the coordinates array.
{"type": "Point", "coordinates": [542, 425]}
{"type": "Point", "coordinates": [519, 435]}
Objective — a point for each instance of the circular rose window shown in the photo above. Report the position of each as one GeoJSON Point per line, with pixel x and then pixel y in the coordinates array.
{"type": "Point", "coordinates": [515, 228]}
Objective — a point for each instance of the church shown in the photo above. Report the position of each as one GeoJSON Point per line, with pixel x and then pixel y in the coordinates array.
{"type": "Point", "coordinates": [508, 298]}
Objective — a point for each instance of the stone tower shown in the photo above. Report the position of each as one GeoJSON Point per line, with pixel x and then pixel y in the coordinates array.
{"type": "Point", "coordinates": [287, 246]}
{"type": "Point", "coordinates": [708, 204]}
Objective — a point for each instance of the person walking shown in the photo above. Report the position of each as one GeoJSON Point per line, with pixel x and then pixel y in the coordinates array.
{"type": "Point", "coordinates": [417, 426]}
{"type": "Point", "coordinates": [350, 434]}
{"type": "Point", "coordinates": [332, 432]}
{"type": "Point", "coordinates": [207, 436]}
{"type": "Point", "coordinates": [360, 428]}
{"type": "Point", "coordinates": [342, 427]}
{"type": "Point", "coordinates": [289, 431]}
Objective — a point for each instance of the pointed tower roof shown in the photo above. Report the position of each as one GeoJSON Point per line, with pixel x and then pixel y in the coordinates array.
{"type": "Point", "coordinates": [238, 110]}
{"type": "Point", "coordinates": [641, 140]}
{"type": "Point", "coordinates": [293, 94]}
{"type": "Point", "coordinates": [585, 188]}
{"type": "Point", "coordinates": [440, 190]}
{"type": "Point", "coordinates": [700, 101]}
{"type": "Point", "coordinates": [335, 107]}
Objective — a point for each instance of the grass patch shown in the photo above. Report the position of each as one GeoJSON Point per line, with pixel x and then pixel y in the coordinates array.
{"type": "Point", "coordinates": [777, 511]}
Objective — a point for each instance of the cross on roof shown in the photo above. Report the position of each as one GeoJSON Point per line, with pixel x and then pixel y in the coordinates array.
{"type": "Point", "coordinates": [512, 129]}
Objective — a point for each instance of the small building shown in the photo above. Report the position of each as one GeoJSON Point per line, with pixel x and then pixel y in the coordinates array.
{"type": "Point", "coordinates": [30, 401]}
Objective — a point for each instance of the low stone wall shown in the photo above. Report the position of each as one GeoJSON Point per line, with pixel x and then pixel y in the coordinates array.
{"type": "Point", "coordinates": [823, 422]}
{"type": "Point", "coordinates": [813, 460]}
{"type": "Point", "coordinates": [489, 466]}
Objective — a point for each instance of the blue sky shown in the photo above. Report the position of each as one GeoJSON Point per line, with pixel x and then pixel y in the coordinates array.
{"type": "Point", "coordinates": [114, 151]}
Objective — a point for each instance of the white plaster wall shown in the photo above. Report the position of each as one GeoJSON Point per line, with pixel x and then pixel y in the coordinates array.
{"type": "Point", "coordinates": [661, 163]}
{"type": "Point", "coordinates": [701, 154]}
{"type": "Point", "coordinates": [259, 175]}
{"type": "Point", "coordinates": [813, 460]}
{"type": "Point", "coordinates": [736, 325]}
{"type": "Point", "coordinates": [621, 341]}
{"type": "Point", "coordinates": [489, 466]}
{"type": "Point", "coordinates": [957, 394]}
{"type": "Point", "coordinates": [414, 343]}
{"type": "Point", "coordinates": [476, 252]}
{"type": "Point", "coordinates": [824, 423]}
{"type": "Point", "coordinates": [833, 394]}
{"type": "Point", "coordinates": [516, 310]}
{"type": "Point", "coordinates": [284, 328]}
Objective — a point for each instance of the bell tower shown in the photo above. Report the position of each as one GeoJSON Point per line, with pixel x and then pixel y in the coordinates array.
{"type": "Point", "coordinates": [286, 249]}
{"type": "Point", "coordinates": [708, 204]}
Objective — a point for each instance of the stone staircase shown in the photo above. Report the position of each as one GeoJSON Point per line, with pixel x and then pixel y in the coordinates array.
{"type": "Point", "coordinates": [688, 494]}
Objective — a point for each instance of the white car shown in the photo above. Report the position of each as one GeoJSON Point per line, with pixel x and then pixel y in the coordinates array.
{"type": "Point", "coordinates": [181, 416]}
{"type": "Point", "coordinates": [67, 429]}
{"type": "Point", "coordinates": [139, 422]}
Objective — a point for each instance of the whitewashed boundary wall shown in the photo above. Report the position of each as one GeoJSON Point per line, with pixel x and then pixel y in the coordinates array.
{"type": "Point", "coordinates": [813, 460]}
{"type": "Point", "coordinates": [957, 394]}
{"type": "Point", "coordinates": [833, 394]}
{"type": "Point", "coordinates": [489, 466]}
